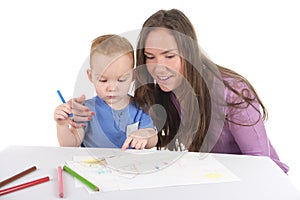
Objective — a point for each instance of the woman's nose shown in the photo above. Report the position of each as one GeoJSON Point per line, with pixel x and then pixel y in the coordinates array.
{"type": "Point", "coordinates": [160, 67]}
{"type": "Point", "coordinates": [160, 60]}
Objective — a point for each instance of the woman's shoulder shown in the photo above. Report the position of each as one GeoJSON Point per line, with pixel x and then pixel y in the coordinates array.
{"type": "Point", "coordinates": [235, 86]}
{"type": "Point", "coordinates": [235, 82]}
{"type": "Point", "coordinates": [233, 79]}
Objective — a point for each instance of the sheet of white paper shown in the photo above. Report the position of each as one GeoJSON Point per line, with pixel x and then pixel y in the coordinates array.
{"type": "Point", "coordinates": [149, 169]}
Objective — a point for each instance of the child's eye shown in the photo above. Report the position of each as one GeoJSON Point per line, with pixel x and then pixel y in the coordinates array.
{"type": "Point", "coordinates": [102, 80]}
{"type": "Point", "coordinates": [122, 80]}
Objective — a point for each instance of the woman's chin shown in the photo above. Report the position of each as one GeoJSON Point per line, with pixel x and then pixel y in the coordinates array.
{"type": "Point", "coordinates": [165, 88]}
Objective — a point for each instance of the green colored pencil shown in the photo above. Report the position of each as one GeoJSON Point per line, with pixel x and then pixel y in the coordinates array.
{"type": "Point", "coordinates": [83, 180]}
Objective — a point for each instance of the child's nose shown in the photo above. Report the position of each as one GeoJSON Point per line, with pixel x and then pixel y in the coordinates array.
{"type": "Point", "coordinates": [112, 86]}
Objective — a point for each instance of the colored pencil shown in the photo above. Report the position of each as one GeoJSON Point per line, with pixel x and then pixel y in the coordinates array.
{"type": "Point", "coordinates": [24, 185]}
{"type": "Point", "coordinates": [17, 176]}
{"type": "Point", "coordinates": [80, 178]}
{"type": "Point", "coordinates": [63, 100]}
{"type": "Point", "coordinates": [60, 182]}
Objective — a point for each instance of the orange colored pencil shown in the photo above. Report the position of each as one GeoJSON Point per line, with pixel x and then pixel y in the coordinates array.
{"type": "Point", "coordinates": [24, 185]}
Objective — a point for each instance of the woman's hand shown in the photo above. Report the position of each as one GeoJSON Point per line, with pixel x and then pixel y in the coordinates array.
{"type": "Point", "coordinates": [80, 112]}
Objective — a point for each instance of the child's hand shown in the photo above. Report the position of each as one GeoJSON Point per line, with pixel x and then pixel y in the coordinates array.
{"type": "Point", "coordinates": [137, 143]}
{"type": "Point", "coordinates": [139, 139]}
{"type": "Point", "coordinates": [61, 114]}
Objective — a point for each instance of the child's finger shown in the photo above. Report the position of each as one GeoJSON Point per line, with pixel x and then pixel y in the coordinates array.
{"type": "Point", "coordinates": [133, 143]}
{"type": "Point", "coordinates": [126, 143]}
{"type": "Point", "coordinates": [141, 144]}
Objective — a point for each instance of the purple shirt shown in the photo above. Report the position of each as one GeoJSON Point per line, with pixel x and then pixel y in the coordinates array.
{"type": "Point", "coordinates": [231, 138]}
{"type": "Point", "coordinates": [248, 140]}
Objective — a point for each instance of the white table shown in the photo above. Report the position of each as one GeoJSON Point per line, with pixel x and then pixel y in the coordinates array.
{"type": "Point", "coordinates": [260, 178]}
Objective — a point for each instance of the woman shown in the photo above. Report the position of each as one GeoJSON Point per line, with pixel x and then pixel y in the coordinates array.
{"type": "Point", "coordinates": [205, 107]}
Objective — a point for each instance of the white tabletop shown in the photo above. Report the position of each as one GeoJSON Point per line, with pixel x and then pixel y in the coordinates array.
{"type": "Point", "coordinates": [260, 178]}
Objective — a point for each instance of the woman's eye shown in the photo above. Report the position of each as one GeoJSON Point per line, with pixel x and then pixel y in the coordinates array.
{"type": "Point", "coordinates": [170, 56]}
{"type": "Point", "coordinates": [149, 57]}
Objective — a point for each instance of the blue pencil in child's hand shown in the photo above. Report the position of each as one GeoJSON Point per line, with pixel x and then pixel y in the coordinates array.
{"type": "Point", "coordinates": [63, 100]}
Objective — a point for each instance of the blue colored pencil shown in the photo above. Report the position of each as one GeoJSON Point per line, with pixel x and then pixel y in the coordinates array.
{"type": "Point", "coordinates": [63, 100]}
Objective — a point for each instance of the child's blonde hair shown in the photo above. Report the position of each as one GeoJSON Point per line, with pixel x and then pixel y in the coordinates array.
{"type": "Point", "coordinates": [111, 44]}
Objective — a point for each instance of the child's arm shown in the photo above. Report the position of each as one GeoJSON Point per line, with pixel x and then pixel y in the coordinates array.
{"type": "Point", "coordinates": [67, 135]}
{"type": "Point", "coordinates": [142, 138]}
{"type": "Point", "coordinates": [153, 139]}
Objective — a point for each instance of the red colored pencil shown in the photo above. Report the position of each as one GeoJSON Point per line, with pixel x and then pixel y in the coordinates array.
{"type": "Point", "coordinates": [24, 185]}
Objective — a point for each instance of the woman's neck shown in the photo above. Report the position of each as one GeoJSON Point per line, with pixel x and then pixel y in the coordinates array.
{"type": "Point", "coordinates": [183, 91]}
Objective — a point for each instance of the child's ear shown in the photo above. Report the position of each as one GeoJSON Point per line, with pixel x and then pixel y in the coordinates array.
{"type": "Point", "coordinates": [89, 73]}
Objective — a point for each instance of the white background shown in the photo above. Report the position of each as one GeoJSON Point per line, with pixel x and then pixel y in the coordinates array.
{"type": "Point", "coordinates": [43, 45]}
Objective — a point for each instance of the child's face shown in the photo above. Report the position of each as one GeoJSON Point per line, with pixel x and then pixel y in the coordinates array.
{"type": "Point", "coordinates": [111, 76]}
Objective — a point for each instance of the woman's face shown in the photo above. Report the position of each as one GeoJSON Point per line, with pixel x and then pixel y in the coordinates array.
{"type": "Point", "coordinates": [163, 60]}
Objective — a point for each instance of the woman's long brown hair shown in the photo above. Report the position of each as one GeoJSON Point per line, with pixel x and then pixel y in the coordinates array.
{"type": "Point", "coordinates": [200, 73]}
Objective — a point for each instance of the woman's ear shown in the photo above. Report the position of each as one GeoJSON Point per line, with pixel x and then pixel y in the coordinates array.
{"type": "Point", "coordinates": [90, 75]}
